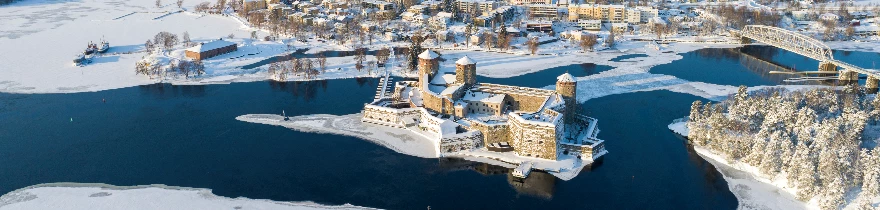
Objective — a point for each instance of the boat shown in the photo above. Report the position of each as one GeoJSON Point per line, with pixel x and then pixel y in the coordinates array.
{"type": "Point", "coordinates": [104, 46]}
{"type": "Point", "coordinates": [523, 170]}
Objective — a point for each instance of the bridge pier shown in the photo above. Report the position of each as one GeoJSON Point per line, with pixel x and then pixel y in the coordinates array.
{"type": "Point", "coordinates": [872, 84]}
{"type": "Point", "coordinates": [847, 77]}
{"type": "Point", "coordinates": [827, 66]}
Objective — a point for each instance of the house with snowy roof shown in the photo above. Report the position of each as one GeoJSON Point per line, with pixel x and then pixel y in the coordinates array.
{"type": "Point", "coordinates": [210, 49]}
{"type": "Point", "coordinates": [461, 114]}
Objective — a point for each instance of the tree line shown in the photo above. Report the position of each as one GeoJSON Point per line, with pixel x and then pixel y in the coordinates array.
{"type": "Point", "coordinates": [812, 138]}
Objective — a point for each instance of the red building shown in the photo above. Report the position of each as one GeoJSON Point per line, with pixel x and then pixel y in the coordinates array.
{"type": "Point", "coordinates": [210, 49]}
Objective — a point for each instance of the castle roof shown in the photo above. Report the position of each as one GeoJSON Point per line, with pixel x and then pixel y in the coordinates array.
{"type": "Point", "coordinates": [428, 54]}
{"type": "Point", "coordinates": [565, 78]}
{"type": "Point", "coordinates": [465, 61]}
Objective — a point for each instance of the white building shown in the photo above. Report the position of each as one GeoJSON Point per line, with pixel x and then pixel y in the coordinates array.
{"type": "Point", "coordinates": [591, 25]}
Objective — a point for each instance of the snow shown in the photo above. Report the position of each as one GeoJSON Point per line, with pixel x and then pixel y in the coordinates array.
{"type": "Point", "coordinates": [565, 167]}
{"type": "Point", "coordinates": [465, 61]}
{"type": "Point", "coordinates": [752, 189]}
{"type": "Point", "coordinates": [399, 140]}
{"type": "Point", "coordinates": [409, 142]}
{"type": "Point", "coordinates": [204, 47]}
{"type": "Point", "coordinates": [40, 37]}
{"type": "Point", "coordinates": [428, 54]}
{"type": "Point", "coordinates": [565, 78]}
{"type": "Point", "coordinates": [75, 196]}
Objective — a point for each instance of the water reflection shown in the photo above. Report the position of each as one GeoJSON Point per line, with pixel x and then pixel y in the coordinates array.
{"type": "Point", "coordinates": [167, 91]}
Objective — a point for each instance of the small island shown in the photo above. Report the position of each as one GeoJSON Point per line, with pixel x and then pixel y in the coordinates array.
{"type": "Point", "coordinates": [452, 115]}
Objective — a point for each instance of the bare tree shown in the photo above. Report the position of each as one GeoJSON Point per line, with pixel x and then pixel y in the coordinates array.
{"type": "Point", "coordinates": [488, 40]}
{"type": "Point", "coordinates": [186, 40]}
{"type": "Point", "coordinates": [360, 54]}
{"type": "Point", "coordinates": [166, 39]}
{"type": "Point", "coordinates": [322, 62]}
{"type": "Point", "coordinates": [158, 3]}
{"type": "Point", "coordinates": [588, 42]}
{"type": "Point", "coordinates": [203, 7]}
{"type": "Point", "coordinates": [609, 40]}
{"type": "Point", "coordinates": [533, 45]}
{"type": "Point", "coordinates": [221, 4]}
{"type": "Point", "coordinates": [179, 3]}
{"type": "Point", "coordinates": [149, 46]}
{"type": "Point", "coordinates": [230, 36]}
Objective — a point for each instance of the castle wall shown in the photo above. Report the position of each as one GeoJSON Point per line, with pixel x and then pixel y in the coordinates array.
{"type": "Point", "coordinates": [386, 116]}
{"type": "Point", "coordinates": [584, 151]}
{"type": "Point", "coordinates": [432, 101]}
{"type": "Point", "coordinates": [492, 133]}
{"type": "Point", "coordinates": [463, 141]}
{"type": "Point", "coordinates": [532, 139]}
{"type": "Point", "coordinates": [526, 103]}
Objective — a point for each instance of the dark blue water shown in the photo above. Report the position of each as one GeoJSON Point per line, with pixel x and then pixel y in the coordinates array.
{"type": "Point", "coordinates": [628, 56]}
{"type": "Point", "coordinates": [732, 67]}
{"type": "Point", "coordinates": [188, 136]}
{"type": "Point", "coordinates": [546, 77]}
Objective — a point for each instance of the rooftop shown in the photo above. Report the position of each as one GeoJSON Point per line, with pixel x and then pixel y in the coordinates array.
{"type": "Point", "coordinates": [428, 54]}
{"type": "Point", "coordinates": [465, 61]}
{"type": "Point", "coordinates": [216, 44]}
{"type": "Point", "coordinates": [565, 78]}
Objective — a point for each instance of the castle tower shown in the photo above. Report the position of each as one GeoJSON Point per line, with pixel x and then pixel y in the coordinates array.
{"type": "Point", "coordinates": [428, 66]}
{"type": "Point", "coordinates": [566, 87]}
{"type": "Point", "coordinates": [466, 71]}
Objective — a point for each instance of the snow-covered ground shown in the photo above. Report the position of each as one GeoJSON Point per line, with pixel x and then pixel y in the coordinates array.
{"type": "Point", "coordinates": [41, 37]}
{"type": "Point", "coordinates": [753, 189]}
{"type": "Point", "coordinates": [75, 196]}
{"type": "Point", "coordinates": [399, 140]}
{"type": "Point", "coordinates": [410, 142]}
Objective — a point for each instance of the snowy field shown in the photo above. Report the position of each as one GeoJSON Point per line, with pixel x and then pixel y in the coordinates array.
{"type": "Point", "coordinates": [75, 196]}
{"type": "Point", "coordinates": [41, 37]}
{"type": "Point", "coordinates": [751, 188]}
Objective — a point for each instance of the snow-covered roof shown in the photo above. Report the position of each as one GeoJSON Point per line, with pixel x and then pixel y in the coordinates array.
{"type": "Point", "coordinates": [565, 78]}
{"type": "Point", "coordinates": [447, 127]}
{"type": "Point", "coordinates": [483, 97]}
{"type": "Point", "coordinates": [465, 61]}
{"type": "Point", "coordinates": [443, 79]}
{"type": "Point", "coordinates": [216, 44]}
{"type": "Point", "coordinates": [428, 54]}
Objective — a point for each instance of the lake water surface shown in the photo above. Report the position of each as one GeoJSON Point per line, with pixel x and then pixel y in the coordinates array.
{"type": "Point", "coordinates": [188, 136]}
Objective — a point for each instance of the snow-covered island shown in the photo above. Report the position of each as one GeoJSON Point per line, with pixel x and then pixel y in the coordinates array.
{"type": "Point", "coordinates": [76, 196]}
{"type": "Point", "coordinates": [450, 114]}
{"type": "Point", "coordinates": [806, 149]}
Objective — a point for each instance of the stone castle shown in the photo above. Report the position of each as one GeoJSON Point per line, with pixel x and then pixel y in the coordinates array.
{"type": "Point", "coordinates": [460, 114]}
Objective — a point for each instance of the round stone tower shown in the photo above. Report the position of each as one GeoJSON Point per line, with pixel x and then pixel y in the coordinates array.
{"type": "Point", "coordinates": [466, 71]}
{"type": "Point", "coordinates": [428, 63]}
{"type": "Point", "coordinates": [566, 86]}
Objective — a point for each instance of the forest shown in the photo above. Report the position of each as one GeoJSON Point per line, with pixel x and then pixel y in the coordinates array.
{"type": "Point", "coordinates": [813, 139]}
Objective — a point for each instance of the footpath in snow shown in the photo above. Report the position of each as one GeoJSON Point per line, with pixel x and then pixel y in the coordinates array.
{"type": "Point", "coordinates": [76, 196]}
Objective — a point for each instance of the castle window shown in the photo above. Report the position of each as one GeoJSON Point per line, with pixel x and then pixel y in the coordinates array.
{"type": "Point", "coordinates": [541, 142]}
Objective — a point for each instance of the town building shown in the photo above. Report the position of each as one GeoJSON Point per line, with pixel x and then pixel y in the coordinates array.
{"type": "Point", "coordinates": [207, 50]}
{"type": "Point", "coordinates": [544, 11]}
{"type": "Point", "coordinates": [605, 13]}
{"type": "Point", "coordinates": [251, 5]}
{"type": "Point", "coordinates": [460, 114]}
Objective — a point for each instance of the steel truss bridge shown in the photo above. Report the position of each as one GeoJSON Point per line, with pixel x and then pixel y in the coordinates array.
{"type": "Point", "coordinates": [806, 46]}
